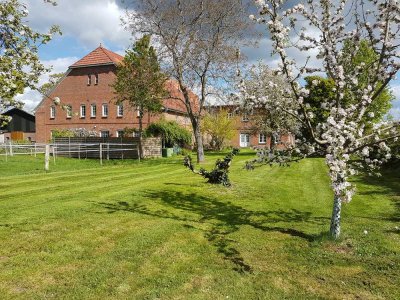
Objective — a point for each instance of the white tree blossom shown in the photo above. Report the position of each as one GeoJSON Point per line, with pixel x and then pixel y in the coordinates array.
{"type": "Point", "coordinates": [347, 145]}
{"type": "Point", "coordinates": [19, 62]}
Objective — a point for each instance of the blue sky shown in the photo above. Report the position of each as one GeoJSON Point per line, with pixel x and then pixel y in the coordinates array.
{"type": "Point", "coordinates": [87, 23]}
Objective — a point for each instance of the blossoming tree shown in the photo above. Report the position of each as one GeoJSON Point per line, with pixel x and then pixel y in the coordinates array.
{"type": "Point", "coordinates": [322, 27]}
{"type": "Point", "coordinates": [20, 66]}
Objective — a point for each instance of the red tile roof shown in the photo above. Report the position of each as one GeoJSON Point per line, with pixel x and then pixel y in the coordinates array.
{"type": "Point", "coordinates": [99, 56]}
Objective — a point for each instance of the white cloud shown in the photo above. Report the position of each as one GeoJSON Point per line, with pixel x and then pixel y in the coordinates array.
{"type": "Point", "coordinates": [31, 98]}
{"type": "Point", "coordinates": [91, 22]}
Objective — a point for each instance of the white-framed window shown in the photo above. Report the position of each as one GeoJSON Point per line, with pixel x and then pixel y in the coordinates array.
{"type": "Point", "coordinates": [52, 112]}
{"type": "Point", "coordinates": [83, 111]}
{"type": "Point", "coordinates": [69, 111]}
{"type": "Point", "coordinates": [120, 110]}
{"type": "Point", "coordinates": [104, 110]}
{"type": "Point", "coordinates": [245, 117]}
{"type": "Point", "coordinates": [262, 138]}
{"type": "Point", "coordinates": [229, 115]}
{"type": "Point", "coordinates": [104, 133]}
{"type": "Point", "coordinates": [136, 134]}
{"type": "Point", "coordinates": [93, 110]}
{"type": "Point", "coordinates": [89, 79]}
{"type": "Point", "coordinates": [120, 133]}
{"type": "Point", "coordinates": [138, 111]}
{"type": "Point", "coordinates": [96, 79]}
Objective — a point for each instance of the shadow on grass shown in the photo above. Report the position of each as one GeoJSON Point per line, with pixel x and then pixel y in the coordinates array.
{"type": "Point", "coordinates": [222, 218]}
{"type": "Point", "coordinates": [389, 184]}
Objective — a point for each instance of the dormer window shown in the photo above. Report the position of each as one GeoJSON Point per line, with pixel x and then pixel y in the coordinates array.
{"type": "Point", "coordinates": [89, 79]}
{"type": "Point", "coordinates": [96, 79]}
{"type": "Point", "coordinates": [245, 117]}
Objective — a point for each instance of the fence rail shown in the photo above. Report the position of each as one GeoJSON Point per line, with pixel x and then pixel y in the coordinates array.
{"type": "Point", "coordinates": [75, 150]}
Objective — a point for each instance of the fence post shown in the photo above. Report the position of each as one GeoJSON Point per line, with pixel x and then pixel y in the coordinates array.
{"type": "Point", "coordinates": [11, 149]}
{"type": "Point", "coordinates": [5, 148]}
{"type": "Point", "coordinates": [79, 151]}
{"type": "Point", "coordinates": [46, 157]}
{"type": "Point", "coordinates": [108, 150]}
{"type": "Point", "coordinates": [101, 154]}
{"type": "Point", "coordinates": [54, 155]}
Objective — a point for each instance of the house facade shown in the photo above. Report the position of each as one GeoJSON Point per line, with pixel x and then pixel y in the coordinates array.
{"type": "Point", "coordinates": [21, 126]}
{"type": "Point", "coordinates": [247, 133]}
{"type": "Point", "coordinates": [88, 101]}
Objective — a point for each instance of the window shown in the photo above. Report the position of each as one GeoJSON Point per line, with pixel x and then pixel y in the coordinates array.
{"type": "Point", "coordinates": [245, 117]}
{"type": "Point", "coordinates": [104, 110]}
{"type": "Point", "coordinates": [89, 79]}
{"type": "Point", "coordinates": [96, 79]}
{"type": "Point", "coordinates": [120, 133]}
{"type": "Point", "coordinates": [138, 112]}
{"type": "Point", "coordinates": [69, 111]}
{"type": "Point", "coordinates": [104, 133]}
{"type": "Point", "coordinates": [120, 110]}
{"type": "Point", "coordinates": [93, 110]}
{"type": "Point", "coordinates": [136, 134]}
{"type": "Point", "coordinates": [230, 115]}
{"type": "Point", "coordinates": [83, 111]}
{"type": "Point", "coordinates": [52, 112]}
{"type": "Point", "coordinates": [262, 138]}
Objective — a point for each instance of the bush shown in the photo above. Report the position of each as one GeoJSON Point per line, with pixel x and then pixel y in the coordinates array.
{"type": "Point", "coordinates": [171, 133]}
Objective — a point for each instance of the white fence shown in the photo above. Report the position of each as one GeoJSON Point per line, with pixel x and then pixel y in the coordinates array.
{"type": "Point", "coordinates": [99, 151]}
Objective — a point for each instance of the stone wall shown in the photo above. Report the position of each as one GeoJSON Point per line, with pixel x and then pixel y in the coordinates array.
{"type": "Point", "coordinates": [151, 147]}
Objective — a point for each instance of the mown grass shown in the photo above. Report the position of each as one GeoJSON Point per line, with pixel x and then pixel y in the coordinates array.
{"type": "Point", "coordinates": [153, 230]}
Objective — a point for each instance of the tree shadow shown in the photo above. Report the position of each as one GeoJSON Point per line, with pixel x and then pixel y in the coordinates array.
{"type": "Point", "coordinates": [221, 218]}
{"type": "Point", "coordinates": [388, 184]}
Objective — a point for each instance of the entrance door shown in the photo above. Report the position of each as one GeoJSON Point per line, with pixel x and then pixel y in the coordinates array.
{"type": "Point", "coordinates": [244, 140]}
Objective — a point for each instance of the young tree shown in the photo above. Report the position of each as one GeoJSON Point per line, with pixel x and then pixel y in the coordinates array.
{"type": "Point", "coordinates": [342, 135]}
{"type": "Point", "coordinates": [219, 127]}
{"type": "Point", "coordinates": [19, 61]}
{"type": "Point", "coordinates": [272, 107]}
{"type": "Point", "coordinates": [140, 82]}
{"type": "Point", "coordinates": [199, 40]}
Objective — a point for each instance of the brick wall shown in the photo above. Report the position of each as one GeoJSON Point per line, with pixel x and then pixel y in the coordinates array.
{"type": "Point", "coordinates": [75, 91]}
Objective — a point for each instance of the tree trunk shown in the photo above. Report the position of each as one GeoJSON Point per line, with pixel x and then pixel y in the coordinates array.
{"type": "Point", "coordinates": [335, 221]}
{"type": "Point", "coordinates": [140, 134]}
{"type": "Point", "coordinates": [199, 142]}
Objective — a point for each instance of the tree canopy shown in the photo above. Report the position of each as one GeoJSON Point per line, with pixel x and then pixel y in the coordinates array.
{"type": "Point", "coordinates": [20, 66]}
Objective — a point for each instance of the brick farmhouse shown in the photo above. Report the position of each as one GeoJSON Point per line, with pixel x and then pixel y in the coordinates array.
{"type": "Point", "coordinates": [85, 89]}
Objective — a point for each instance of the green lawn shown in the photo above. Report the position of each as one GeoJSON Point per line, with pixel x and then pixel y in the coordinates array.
{"type": "Point", "coordinates": [153, 230]}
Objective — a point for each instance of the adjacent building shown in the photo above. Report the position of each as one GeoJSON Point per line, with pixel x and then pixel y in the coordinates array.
{"type": "Point", "coordinates": [248, 133]}
{"type": "Point", "coordinates": [21, 127]}
{"type": "Point", "coordinates": [88, 101]}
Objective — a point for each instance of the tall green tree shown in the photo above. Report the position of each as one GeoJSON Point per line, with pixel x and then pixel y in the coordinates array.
{"type": "Point", "coordinates": [20, 66]}
{"type": "Point", "coordinates": [140, 82]}
{"type": "Point", "coordinates": [323, 89]}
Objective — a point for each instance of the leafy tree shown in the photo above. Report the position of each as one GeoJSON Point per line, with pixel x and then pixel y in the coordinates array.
{"type": "Point", "coordinates": [140, 82]}
{"type": "Point", "coordinates": [45, 88]}
{"type": "Point", "coordinates": [20, 66]}
{"type": "Point", "coordinates": [342, 137]}
{"type": "Point", "coordinates": [199, 40]}
{"type": "Point", "coordinates": [219, 127]}
{"type": "Point", "coordinates": [171, 132]}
